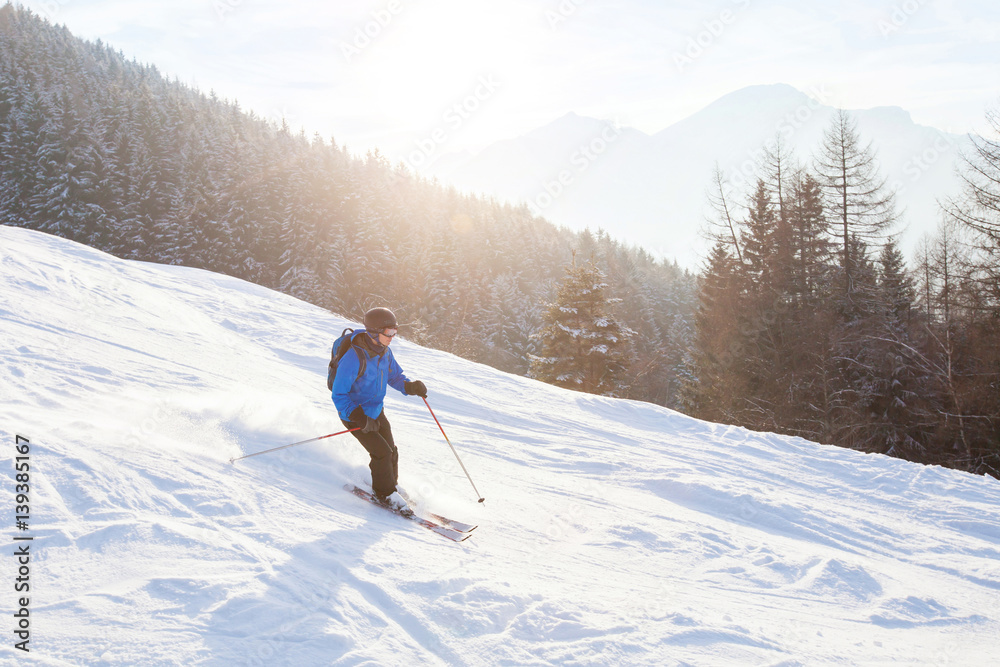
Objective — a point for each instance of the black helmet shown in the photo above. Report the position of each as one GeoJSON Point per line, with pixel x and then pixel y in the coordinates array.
{"type": "Point", "coordinates": [378, 319]}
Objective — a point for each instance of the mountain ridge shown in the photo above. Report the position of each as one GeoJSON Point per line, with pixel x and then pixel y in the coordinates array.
{"type": "Point", "coordinates": [649, 189]}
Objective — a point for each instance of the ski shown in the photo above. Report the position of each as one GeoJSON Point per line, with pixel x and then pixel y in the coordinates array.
{"type": "Point", "coordinates": [460, 526]}
{"type": "Point", "coordinates": [445, 531]}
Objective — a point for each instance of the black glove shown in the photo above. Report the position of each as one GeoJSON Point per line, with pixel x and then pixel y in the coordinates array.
{"type": "Point", "coordinates": [367, 424]}
{"type": "Point", "coordinates": [415, 388]}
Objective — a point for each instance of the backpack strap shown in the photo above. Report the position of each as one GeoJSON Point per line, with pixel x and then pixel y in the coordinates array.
{"type": "Point", "coordinates": [362, 358]}
{"type": "Point", "coordinates": [335, 358]}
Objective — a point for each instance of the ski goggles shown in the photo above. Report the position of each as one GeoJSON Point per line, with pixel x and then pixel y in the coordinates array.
{"type": "Point", "coordinates": [389, 333]}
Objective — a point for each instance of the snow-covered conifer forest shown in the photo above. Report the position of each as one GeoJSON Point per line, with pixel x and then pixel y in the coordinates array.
{"type": "Point", "coordinates": [108, 152]}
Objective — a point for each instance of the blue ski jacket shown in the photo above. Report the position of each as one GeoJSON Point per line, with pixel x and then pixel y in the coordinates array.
{"type": "Point", "coordinates": [368, 390]}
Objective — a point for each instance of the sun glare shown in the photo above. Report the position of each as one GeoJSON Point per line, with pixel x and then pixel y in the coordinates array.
{"type": "Point", "coordinates": [440, 59]}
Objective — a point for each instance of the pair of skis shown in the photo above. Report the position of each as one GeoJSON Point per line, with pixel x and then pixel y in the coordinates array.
{"type": "Point", "coordinates": [457, 531]}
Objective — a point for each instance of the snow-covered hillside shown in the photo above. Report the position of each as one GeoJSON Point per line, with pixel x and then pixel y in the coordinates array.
{"type": "Point", "coordinates": [613, 532]}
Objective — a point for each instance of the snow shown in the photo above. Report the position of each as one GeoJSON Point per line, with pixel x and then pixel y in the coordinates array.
{"type": "Point", "coordinates": [613, 532]}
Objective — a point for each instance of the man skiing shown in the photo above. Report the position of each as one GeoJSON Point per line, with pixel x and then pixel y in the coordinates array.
{"type": "Point", "coordinates": [359, 391]}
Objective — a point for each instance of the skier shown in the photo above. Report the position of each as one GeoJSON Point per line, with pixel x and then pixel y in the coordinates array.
{"type": "Point", "coordinates": [359, 397]}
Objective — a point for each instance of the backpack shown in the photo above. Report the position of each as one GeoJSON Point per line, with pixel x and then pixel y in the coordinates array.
{"type": "Point", "coordinates": [340, 347]}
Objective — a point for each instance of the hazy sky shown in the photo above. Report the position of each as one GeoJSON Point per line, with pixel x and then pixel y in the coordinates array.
{"type": "Point", "coordinates": [464, 73]}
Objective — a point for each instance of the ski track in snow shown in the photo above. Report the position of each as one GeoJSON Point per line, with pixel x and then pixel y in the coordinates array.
{"type": "Point", "coordinates": [614, 532]}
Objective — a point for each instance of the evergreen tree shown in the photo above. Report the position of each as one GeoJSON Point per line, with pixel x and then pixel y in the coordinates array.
{"type": "Point", "coordinates": [583, 346]}
{"type": "Point", "coordinates": [714, 386]}
{"type": "Point", "coordinates": [904, 398]}
{"type": "Point", "coordinates": [66, 195]}
{"type": "Point", "coordinates": [896, 287]}
{"type": "Point", "coordinates": [760, 240]}
{"type": "Point", "coordinates": [810, 240]}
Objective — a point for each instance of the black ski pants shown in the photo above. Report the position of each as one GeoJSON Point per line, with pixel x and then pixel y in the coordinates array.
{"type": "Point", "coordinates": [385, 457]}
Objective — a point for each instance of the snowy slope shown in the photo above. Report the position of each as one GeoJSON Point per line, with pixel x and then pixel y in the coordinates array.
{"type": "Point", "coordinates": [613, 532]}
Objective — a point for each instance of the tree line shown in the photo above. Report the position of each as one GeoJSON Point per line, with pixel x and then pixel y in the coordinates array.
{"type": "Point", "coordinates": [810, 322]}
{"type": "Point", "coordinates": [108, 152]}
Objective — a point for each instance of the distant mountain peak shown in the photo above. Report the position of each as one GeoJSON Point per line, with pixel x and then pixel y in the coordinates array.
{"type": "Point", "coordinates": [892, 113]}
{"type": "Point", "coordinates": [573, 121]}
{"type": "Point", "coordinates": [769, 89]}
{"type": "Point", "coordinates": [650, 189]}
{"type": "Point", "coordinates": [766, 99]}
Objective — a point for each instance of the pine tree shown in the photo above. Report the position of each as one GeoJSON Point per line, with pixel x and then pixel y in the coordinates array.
{"type": "Point", "coordinates": [810, 242]}
{"type": "Point", "coordinates": [714, 386]}
{"type": "Point", "coordinates": [896, 287]}
{"type": "Point", "coordinates": [21, 139]}
{"type": "Point", "coordinates": [856, 373]}
{"type": "Point", "coordinates": [902, 399]}
{"type": "Point", "coordinates": [68, 193]}
{"type": "Point", "coordinates": [760, 240]}
{"type": "Point", "coordinates": [583, 346]}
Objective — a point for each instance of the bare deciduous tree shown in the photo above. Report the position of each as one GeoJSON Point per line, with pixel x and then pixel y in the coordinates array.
{"type": "Point", "coordinates": [857, 197]}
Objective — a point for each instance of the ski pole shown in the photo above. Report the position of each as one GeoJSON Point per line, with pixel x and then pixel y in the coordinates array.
{"type": "Point", "coordinates": [481, 499]}
{"type": "Point", "coordinates": [274, 449]}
